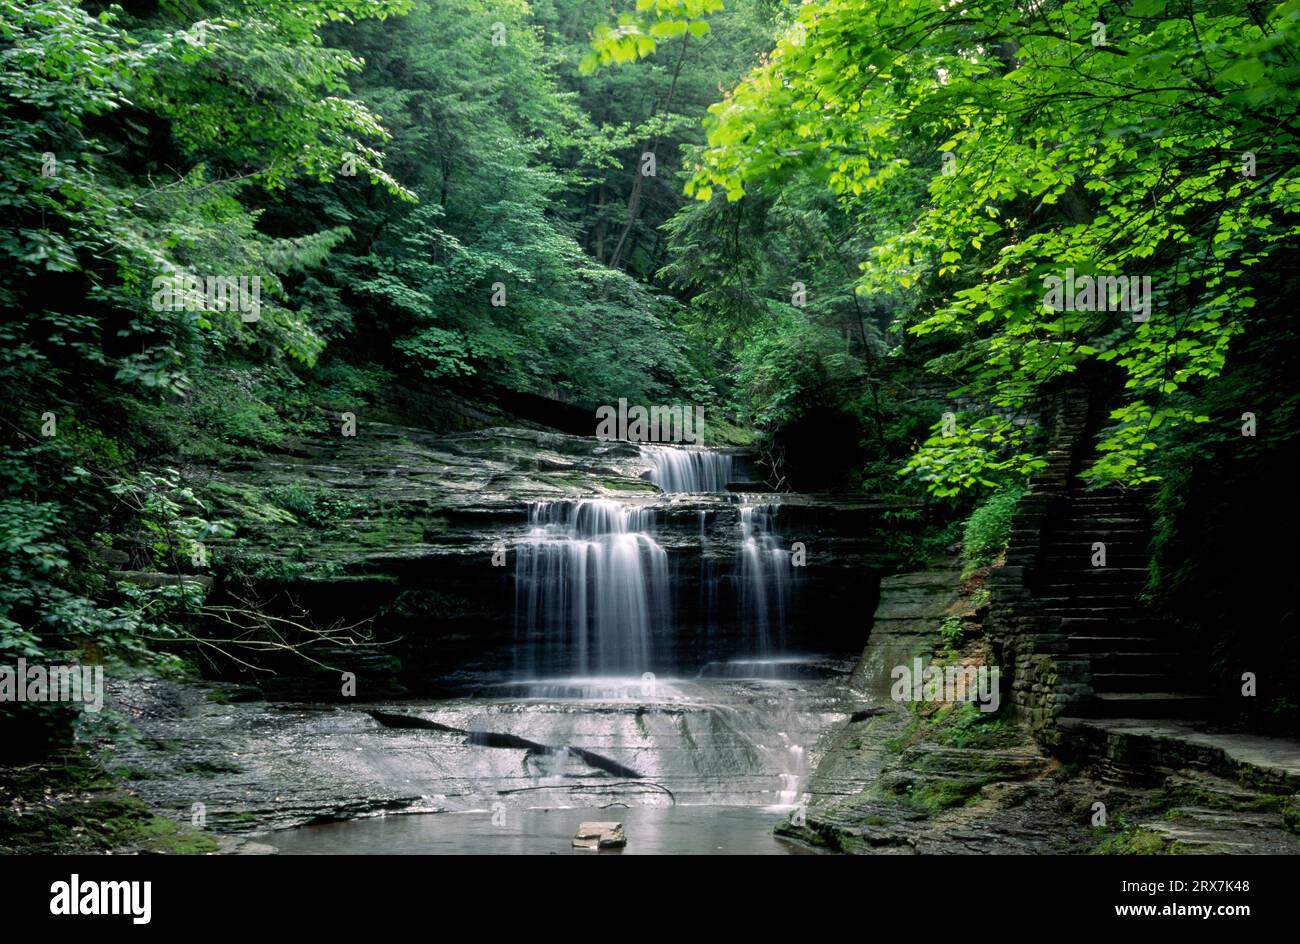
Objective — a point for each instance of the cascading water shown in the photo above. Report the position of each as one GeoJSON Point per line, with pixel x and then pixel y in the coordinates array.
{"type": "Point", "coordinates": [595, 616]}
{"type": "Point", "coordinates": [591, 588]}
{"type": "Point", "coordinates": [688, 468]}
{"type": "Point", "coordinates": [763, 575]}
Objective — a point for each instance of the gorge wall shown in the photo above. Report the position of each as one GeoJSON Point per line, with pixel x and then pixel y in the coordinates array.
{"type": "Point", "coordinates": [460, 547]}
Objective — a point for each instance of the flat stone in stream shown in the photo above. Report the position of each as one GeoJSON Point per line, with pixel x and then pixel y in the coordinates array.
{"type": "Point", "coordinates": [600, 836]}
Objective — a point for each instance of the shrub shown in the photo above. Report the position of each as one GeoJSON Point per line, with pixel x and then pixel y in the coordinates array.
{"type": "Point", "coordinates": [228, 413]}
{"type": "Point", "coordinates": [950, 630]}
{"type": "Point", "coordinates": [293, 498]}
{"type": "Point", "coordinates": [989, 527]}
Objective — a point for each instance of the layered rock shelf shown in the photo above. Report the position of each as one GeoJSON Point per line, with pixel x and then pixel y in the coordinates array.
{"type": "Point", "coordinates": [425, 529]}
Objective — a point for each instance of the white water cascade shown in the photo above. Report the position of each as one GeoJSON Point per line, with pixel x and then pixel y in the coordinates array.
{"type": "Point", "coordinates": [593, 595]}
{"type": "Point", "coordinates": [688, 468]}
{"type": "Point", "coordinates": [591, 587]}
{"type": "Point", "coordinates": [763, 577]}
{"type": "Point", "coordinates": [762, 573]}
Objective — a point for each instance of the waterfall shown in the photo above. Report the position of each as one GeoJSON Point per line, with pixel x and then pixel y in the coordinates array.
{"type": "Point", "coordinates": [591, 587]}
{"type": "Point", "coordinates": [593, 595]}
{"type": "Point", "coordinates": [688, 468]}
{"type": "Point", "coordinates": [763, 575]}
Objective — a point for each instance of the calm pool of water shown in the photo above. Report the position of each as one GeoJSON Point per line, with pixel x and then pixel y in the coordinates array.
{"type": "Point", "coordinates": [670, 830]}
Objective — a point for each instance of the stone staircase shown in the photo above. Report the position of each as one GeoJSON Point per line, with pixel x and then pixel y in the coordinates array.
{"type": "Point", "coordinates": [1134, 665]}
{"type": "Point", "coordinates": [1073, 620]}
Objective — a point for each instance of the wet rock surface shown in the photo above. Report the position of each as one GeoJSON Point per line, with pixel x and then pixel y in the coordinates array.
{"type": "Point", "coordinates": [891, 781]}
{"type": "Point", "coordinates": [263, 766]}
{"type": "Point", "coordinates": [416, 535]}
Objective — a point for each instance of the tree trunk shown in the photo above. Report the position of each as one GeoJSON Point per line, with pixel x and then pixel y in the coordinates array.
{"type": "Point", "coordinates": [634, 199]}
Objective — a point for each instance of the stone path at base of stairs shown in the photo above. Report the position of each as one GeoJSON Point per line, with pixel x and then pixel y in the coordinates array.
{"type": "Point", "coordinates": [1260, 759]}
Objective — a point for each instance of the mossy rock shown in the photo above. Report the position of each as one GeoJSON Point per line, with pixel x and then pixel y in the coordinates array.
{"type": "Point", "coordinates": [1134, 840]}
{"type": "Point", "coordinates": [72, 805]}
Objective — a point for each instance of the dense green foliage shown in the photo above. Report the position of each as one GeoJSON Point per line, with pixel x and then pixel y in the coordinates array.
{"type": "Point", "coordinates": [487, 276]}
{"type": "Point", "coordinates": [967, 155]}
{"type": "Point", "coordinates": [1148, 139]}
{"type": "Point", "coordinates": [427, 194]}
{"type": "Point", "coordinates": [130, 146]}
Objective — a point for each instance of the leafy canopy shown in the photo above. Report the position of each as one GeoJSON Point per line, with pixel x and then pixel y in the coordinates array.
{"type": "Point", "coordinates": [1151, 139]}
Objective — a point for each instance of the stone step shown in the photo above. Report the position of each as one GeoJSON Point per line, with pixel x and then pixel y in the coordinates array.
{"type": "Point", "coordinates": [1080, 533]}
{"type": "Point", "coordinates": [1077, 560]}
{"type": "Point", "coordinates": [1076, 627]}
{"type": "Point", "coordinates": [1134, 661]}
{"type": "Point", "coordinates": [1081, 587]}
{"type": "Point", "coordinates": [1129, 550]}
{"type": "Point", "coordinates": [1075, 531]}
{"type": "Point", "coordinates": [1104, 594]}
{"type": "Point", "coordinates": [1244, 758]}
{"type": "Point", "coordinates": [1114, 517]}
{"type": "Point", "coordinates": [1075, 600]}
{"type": "Point", "coordinates": [1043, 489]}
{"type": "Point", "coordinates": [1102, 521]}
{"type": "Point", "coordinates": [1110, 614]}
{"type": "Point", "coordinates": [1082, 578]}
{"type": "Point", "coordinates": [1116, 492]}
{"type": "Point", "coordinates": [1123, 509]}
{"type": "Point", "coordinates": [1102, 645]}
{"type": "Point", "coordinates": [1096, 600]}
{"type": "Point", "coordinates": [1098, 576]}
{"type": "Point", "coordinates": [1140, 624]}
{"type": "Point", "coordinates": [1090, 523]}
{"type": "Point", "coordinates": [1108, 501]}
{"type": "Point", "coordinates": [1135, 682]}
{"type": "Point", "coordinates": [1075, 588]}
{"type": "Point", "coordinates": [1142, 705]}
{"type": "Point", "coordinates": [1130, 613]}
{"type": "Point", "coordinates": [1097, 507]}
{"type": "Point", "coordinates": [1081, 562]}
{"type": "Point", "coordinates": [1088, 594]}
{"type": "Point", "coordinates": [1116, 558]}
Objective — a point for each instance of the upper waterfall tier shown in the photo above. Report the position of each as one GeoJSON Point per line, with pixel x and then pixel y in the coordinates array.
{"type": "Point", "coordinates": [688, 468]}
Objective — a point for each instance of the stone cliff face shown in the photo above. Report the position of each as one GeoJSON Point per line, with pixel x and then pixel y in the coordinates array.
{"type": "Point", "coordinates": [424, 534]}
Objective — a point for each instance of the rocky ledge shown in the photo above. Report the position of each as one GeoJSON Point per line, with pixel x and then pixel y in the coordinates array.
{"type": "Point", "coordinates": [926, 779]}
{"type": "Point", "coordinates": [411, 533]}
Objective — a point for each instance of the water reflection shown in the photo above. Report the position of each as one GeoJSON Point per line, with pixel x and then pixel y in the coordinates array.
{"type": "Point", "coordinates": [678, 830]}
